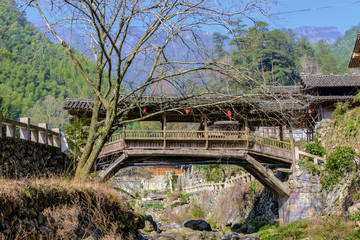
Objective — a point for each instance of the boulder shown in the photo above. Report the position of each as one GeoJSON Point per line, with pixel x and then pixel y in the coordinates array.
{"type": "Point", "coordinates": [200, 225]}
{"type": "Point", "coordinates": [150, 224]}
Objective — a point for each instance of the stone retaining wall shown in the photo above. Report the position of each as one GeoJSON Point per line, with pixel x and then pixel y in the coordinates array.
{"type": "Point", "coordinates": [20, 158]}
{"type": "Point", "coordinates": [305, 202]}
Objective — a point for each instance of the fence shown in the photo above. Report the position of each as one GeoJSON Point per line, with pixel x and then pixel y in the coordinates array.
{"type": "Point", "coordinates": [212, 186]}
{"type": "Point", "coordinates": [24, 130]}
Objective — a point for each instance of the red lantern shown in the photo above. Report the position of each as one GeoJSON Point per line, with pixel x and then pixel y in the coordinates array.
{"type": "Point", "coordinates": [187, 111]}
{"type": "Point", "coordinates": [144, 109]}
{"type": "Point", "coordinates": [229, 113]}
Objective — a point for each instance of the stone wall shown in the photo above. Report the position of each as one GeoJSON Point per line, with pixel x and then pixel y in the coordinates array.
{"type": "Point", "coordinates": [20, 158]}
{"type": "Point", "coordinates": [305, 202]}
{"type": "Point", "coordinates": [58, 209]}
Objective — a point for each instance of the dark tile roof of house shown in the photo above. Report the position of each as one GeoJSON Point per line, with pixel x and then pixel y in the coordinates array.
{"type": "Point", "coordinates": [313, 81]}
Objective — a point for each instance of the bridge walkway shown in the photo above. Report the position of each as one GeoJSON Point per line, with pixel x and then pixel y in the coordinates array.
{"type": "Point", "coordinates": [237, 147]}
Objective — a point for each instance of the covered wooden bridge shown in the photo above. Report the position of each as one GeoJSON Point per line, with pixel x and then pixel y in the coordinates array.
{"type": "Point", "coordinates": [239, 146]}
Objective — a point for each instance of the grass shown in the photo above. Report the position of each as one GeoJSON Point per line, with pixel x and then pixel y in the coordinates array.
{"type": "Point", "coordinates": [71, 209]}
{"type": "Point", "coordinates": [158, 206]}
{"type": "Point", "coordinates": [327, 228]}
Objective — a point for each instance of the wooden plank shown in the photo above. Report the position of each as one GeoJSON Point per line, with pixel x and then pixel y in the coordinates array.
{"type": "Point", "coordinates": [266, 175]}
{"type": "Point", "coordinates": [284, 170]}
{"type": "Point", "coordinates": [111, 170]}
{"type": "Point", "coordinates": [311, 155]}
{"type": "Point", "coordinates": [188, 153]}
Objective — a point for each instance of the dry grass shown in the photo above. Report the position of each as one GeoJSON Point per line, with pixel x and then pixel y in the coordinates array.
{"type": "Point", "coordinates": [72, 210]}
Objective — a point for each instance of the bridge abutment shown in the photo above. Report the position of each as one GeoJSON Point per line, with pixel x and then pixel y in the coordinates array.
{"type": "Point", "coordinates": [306, 198]}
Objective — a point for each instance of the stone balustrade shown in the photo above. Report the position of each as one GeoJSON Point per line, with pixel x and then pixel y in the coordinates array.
{"type": "Point", "coordinates": [214, 186]}
{"type": "Point", "coordinates": [23, 129]}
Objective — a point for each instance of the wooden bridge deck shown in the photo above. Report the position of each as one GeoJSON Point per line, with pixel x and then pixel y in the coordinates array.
{"type": "Point", "coordinates": [199, 146]}
{"type": "Point", "coordinates": [197, 140]}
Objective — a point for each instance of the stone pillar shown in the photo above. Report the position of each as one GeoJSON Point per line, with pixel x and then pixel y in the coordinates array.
{"type": "Point", "coordinates": [43, 134]}
{"type": "Point", "coordinates": [57, 138]}
{"type": "Point", "coordinates": [34, 135]}
{"type": "Point", "coordinates": [10, 130]}
{"type": "Point", "coordinates": [25, 132]}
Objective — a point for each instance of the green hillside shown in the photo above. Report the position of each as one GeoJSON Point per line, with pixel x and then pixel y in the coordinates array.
{"type": "Point", "coordinates": [32, 67]}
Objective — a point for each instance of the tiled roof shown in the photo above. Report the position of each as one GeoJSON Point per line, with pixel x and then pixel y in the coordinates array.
{"type": "Point", "coordinates": [312, 81]}
{"type": "Point", "coordinates": [255, 102]}
{"type": "Point", "coordinates": [280, 89]}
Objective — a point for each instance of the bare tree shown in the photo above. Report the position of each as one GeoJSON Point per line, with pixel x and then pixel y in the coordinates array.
{"type": "Point", "coordinates": [168, 36]}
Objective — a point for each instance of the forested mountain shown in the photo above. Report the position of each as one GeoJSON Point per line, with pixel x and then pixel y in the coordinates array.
{"type": "Point", "coordinates": [276, 57]}
{"type": "Point", "coordinates": [315, 34]}
{"type": "Point", "coordinates": [32, 67]}
{"type": "Point", "coordinates": [344, 46]}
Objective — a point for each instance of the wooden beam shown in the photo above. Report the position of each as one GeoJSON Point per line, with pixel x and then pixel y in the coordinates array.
{"type": "Point", "coordinates": [267, 176]}
{"type": "Point", "coordinates": [112, 169]}
{"type": "Point", "coordinates": [216, 154]}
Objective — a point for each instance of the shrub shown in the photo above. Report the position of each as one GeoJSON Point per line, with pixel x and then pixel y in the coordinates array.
{"type": "Point", "coordinates": [197, 212]}
{"type": "Point", "coordinates": [355, 217]}
{"type": "Point", "coordinates": [315, 148]}
{"type": "Point", "coordinates": [158, 206]}
{"type": "Point", "coordinates": [340, 109]}
{"type": "Point", "coordinates": [338, 163]}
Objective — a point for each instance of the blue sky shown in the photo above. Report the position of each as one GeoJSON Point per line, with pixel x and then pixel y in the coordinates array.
{"type": "Point", "coordinates": [342, 14]}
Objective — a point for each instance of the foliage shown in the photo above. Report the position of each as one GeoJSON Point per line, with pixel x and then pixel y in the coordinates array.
{"type": "Point", "coordinates": [331, 227]}
{"type": "Point", "coordinates": [311, 166]}
{"type": "Point", "coordinates": [158, 206]}
{"type": "Point", "coordinates": [254, 187]}
{"type": "Point", "coordinates": [185, 197]}
{"type": "Point", "coordinates": [338, 163]}
{"type": "Point", "coordinates": [357, 196]}
{"type": "Point", "coordinates": [32, 67]}
{"type": "Point", "coordinates": [340, 110]}
{"type": "Point", "coordinates": [217, 173]}
{"type": "Point", "coordinates": [315, 148]}
{"type": "Point", "coordinates": [355, 217]}
{"type": "Point", "coordinates": [174, 179]}
{"type": "Point", "coordinates": [197, 212]}
{"type": "Point", "coordinates": [49, 111]}
{"type": "Point", "coordinates": [212, 223]}
{"type": "Point", "coordinates": [76, 133]}
{"type": "Point", "coordinates": [329, 64]}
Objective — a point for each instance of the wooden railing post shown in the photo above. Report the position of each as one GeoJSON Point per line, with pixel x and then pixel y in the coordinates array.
{"type": "Point", "coordinates": [0, 124]}
{"type": "Point", "coordinates": [206, 134]}
{"type": "Point", "coordinates": [43, 135]}
{"type": "Point", "coordinates": [25, 132]}
{"type": "Point", "coordinates": [164, 129]}
{"type": "Point", "coordinates": [57, 139]}
{"type": "Point", "coordinates": [247, 132]}
{"type": "Point", "coordinates": [124, 132]}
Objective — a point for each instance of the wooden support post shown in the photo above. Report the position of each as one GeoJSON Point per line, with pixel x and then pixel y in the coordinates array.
{"type": "Point", "coordinates": [10, 130]}
{"type": "Point", "coordinates": [0, 124]}
{"type": "Point", "coordinates": [206, 134]}
{"type": "Point", "coordinates": [124, 133]}
{"type": "Point", "coordinates": [163, 125]}
{"type": "Point", "coordinates": [43, 135]}
{"type": "Point", "coordinates": [247, 132]}
{"type": "Point", "coordinates": [25, 132]}
{"type": "Point", "coordinates": [281, 133]}
{"type": "Point", "coordinates": [57, 139]}
{"type": "Point", "coordinates": [293, 157]}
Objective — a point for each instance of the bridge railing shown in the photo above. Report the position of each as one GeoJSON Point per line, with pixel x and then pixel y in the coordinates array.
{"type": "Point", "coordinates": [199, 135]}
{"type": "Point", "coordinates": [24, 130]}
